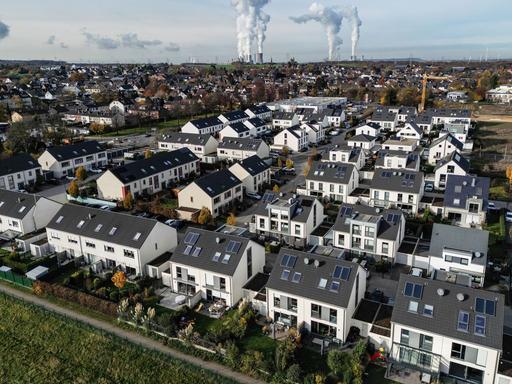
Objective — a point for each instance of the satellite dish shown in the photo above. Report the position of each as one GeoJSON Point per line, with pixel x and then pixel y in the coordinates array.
{"type": "Point", "coordinates": [461, 296]}
{"type": "Point", "coordinates": [440, 291]}
{"type": "Point", "coordinates": [478, 254]}
{"type": "Point", "coordinates": [217, 240]}
{"type": "Point", "coordinates": [306, 260]}
{"type": "Point", "coordinates": [317, 263]}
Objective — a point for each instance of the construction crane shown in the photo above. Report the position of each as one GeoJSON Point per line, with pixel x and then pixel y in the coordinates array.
{"type": "Point", "coordinates": [425, 80]}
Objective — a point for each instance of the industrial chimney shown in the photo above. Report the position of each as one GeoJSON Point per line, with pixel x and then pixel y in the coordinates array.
{"type": "Point", "coordinates": [260, 58]}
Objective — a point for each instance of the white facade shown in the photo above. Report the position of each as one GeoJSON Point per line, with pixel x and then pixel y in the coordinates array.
{"type": "Point", "coordinates": [61, 168]}
{"type": "Point", "coordinates": [243, 152]}
{"type": "Point", "coordinates": [200, 150]}
{"type": "Point", "coordinates": [251, 183]}
{"type": "Point", "coordinates": [294, 139]}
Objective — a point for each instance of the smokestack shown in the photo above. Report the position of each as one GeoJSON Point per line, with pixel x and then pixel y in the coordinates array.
{"type": "Point", "coordinates": [260, 58]}
{"type": "Point", "coordinates": [251, 26]}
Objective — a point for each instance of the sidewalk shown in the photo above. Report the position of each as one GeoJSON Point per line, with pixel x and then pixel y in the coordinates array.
{"type": "Point", "coordinates": [131, 336]}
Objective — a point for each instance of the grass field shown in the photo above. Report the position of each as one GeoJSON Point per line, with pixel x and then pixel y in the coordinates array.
{"type": "Point", "coordinates": [40, 347]}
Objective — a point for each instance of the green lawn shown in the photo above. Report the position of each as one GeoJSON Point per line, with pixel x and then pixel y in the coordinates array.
{"type": "Point", "coordinates": [38, 346]}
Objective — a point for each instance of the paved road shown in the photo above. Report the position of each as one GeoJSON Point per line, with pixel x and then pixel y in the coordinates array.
{"type": "Point", "coordinates": [58, 193]}
{"type": "Point", "coordinates": [131, 336]}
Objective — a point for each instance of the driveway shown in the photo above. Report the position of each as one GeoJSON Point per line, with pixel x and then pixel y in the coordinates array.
{"type": "Point", "coordinates": [58, 193]}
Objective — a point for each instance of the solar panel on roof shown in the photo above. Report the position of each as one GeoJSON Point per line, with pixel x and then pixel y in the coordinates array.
{"type": "Point", "coordinates": [191, 238]}
{"type": "Point", "coordinates": [233, 246]}
{"type": "Point", "coordinates": [345, 211]}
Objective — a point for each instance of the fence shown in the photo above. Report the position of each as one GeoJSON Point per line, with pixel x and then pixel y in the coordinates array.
{"type": "Point", "coordinates": [16, 279]}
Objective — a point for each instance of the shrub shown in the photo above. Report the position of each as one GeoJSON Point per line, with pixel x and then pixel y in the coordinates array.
{"type": "Point", "coordinates": [114, 296]}
{"type": "Point", "coordinates": [294, 373]}
{"type": "Point", "coordinates": [97, 283]}
{"type": "Point", "coordinates": [232, 354]}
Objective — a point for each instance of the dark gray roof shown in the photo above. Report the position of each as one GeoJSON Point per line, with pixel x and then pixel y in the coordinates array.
{"type": "Point", "coordinates": [12, 203]}
{"type": "Point", "coordinates": [256, 121]}
{"type": "Point", "coordinates": [17, 163]}
{"type": "Point", "coordinates": [283, 115]}
{"type": "Point", "coordinates": [259, 109]}
{"type": "Point", "coordinates": [461, 239]}
{"type": "Point", "coordinates": [254, 165]}
{"type": "Point", "coordinates": [383, 116]}
{"type": "Point", "coordinates": [211, 243]}
{"type": "Point", "coordinates": [457, 158]}
{"type": "Point", "coordinates": [308, 284]}
{"type": "Point", "coordinates": [446, 311]}
{"type": "Point", "coordinates": [186, 138]}
{"type": "Point", "coordinates": [300, 206]}
{"type": "Point", "coordinates": [465, 187]}
{"type": "Point", "coordinates": [399, 180]}
{"type": "Point", "coordinates": [362, 138]}
{"type": "Point", "coordinates": [239, 127]}
{"type": "Point", "coordinates": [415, 126]}
{"type": "Point", "coordinates": [217, 182]}
{"type": "Point", "coordinates": [159, 162]}
{"type": "Point", "coordinates": [127, 226]}
{"type": "Point", "coordinates": [354, 152]}
{"type": "Point", "coordinates": [235, 115]}
{"type": "Point", "coordinates": [423, 118]}
{"type": "Point", "coordinates": [293, 131]}
{"type": "Point", "coordinates": [206, 122]}
{"type": "Point", "coordinates": [67, 152]}
{"type": "Point", "coordinates": [450, 138]}
{"type": "Point", "coordinates": [332, 172]}
{"type": "Point", "coordinates": [447, 112]}
{"type": "Point", "coordinates": [241, 143]}
{"type": "Point", "coordinates": [389, 220]}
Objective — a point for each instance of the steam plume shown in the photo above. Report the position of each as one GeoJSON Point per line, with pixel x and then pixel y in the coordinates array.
{"type": "Point", "coordinates": [251, 25]}
{"type": "Point", "coordinates": [332, 19]}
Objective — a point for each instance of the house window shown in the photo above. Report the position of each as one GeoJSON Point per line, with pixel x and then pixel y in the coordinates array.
{"type": "Point", "coordinates": [413, 306]}
{"type": "Point", "coordinates": [385, 248]}
{"type": "Point", "coordinates": [404, 337]}
{"type": "Point", "coordinates": [128, 253]}
{"type": "Point", "coordinates": [426, 342]}
{"type": "Point", "coordinates": [108, 248]}
{"type": "Point", "coordinates": [90, 245]}
{"type": "Point", "coordinates": [222, 283]}
{"type": "Point", "coordinates": [341, 239]}
{"type": "Point", "coordinates": [179, 272]}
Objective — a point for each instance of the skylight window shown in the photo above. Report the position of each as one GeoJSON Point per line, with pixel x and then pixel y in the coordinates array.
{"type": "Point", "coordinates": [428, 310]}
{"type": "Point", "coordinates": [137, 236]}
{"type": "Point", "coordinates": [59, 219]}
{"type": "Point", "coordinates": [80, 224]}
{"type": "Point", "coordinates": [413, 290]}
{"type": "Point", "coordinates": [322, 283]}
{"type": "Point", "coordinates": [216, 257]}
{"type": "Point", "coordinates": [22, 209]}
{"type": "Point", "coordinates": [98, 227]}
{"type": "Point", "coordinates": [285, 274]}
{"type": "Point", "coordinates": [463, 321]}
{"type": "Point", "coordinates": [485, 307]}
{"type": "Point", "coordinates": [480, 322]}
{"type": "Point", "coordinates": [191, 238]}
{"type": "Point", "coordinates": [413, 306]}
{"type": "Point", "coordinates": [296, 277]}
{"type": "Point", "coordinates": [196, 251]}
{"type": "Point", "coordinates": [226, 258]}
{"type": "Point", "coordinates": [112, 231]}
{"type": "Point", "coordinates": [187, 250]}
{"type": "Point", "coordinates": [335, 286]}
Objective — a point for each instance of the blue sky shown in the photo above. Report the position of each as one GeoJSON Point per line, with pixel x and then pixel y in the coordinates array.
{"type": "Point", "coordinates": [205, 30]}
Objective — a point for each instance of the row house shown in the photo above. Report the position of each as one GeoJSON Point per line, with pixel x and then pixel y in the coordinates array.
{"type": "Point", "coordinates": [347, 154]}
{"type": "Point", "coordinates": [63, 160]}
{"type": "Point", "coordinates": [293, 138]}
{"type": "Point", "coordinates": [232, 149]}
{"type": "Point", "coordinates": [19, 172]}
{"type": "Point", "coordinates": [148, 176]}
{"type": "Point", "coordinates": [259, 111]}
{"type": "Point", "coordinates": [442, 147]}
{"type": "Point", "coordinates": [208, 125]}
{"type": "Point", "coordinates": [284, 120]}
{"type": "Point", "coordinates": [398, 160]}
{"type": "Point", "coordinates": [109, 240]}
{"type": "Point", "coordinates": [453, 164]}
{"type": "Point", "coordinates": [233, 117]}
{"type": "Point", "coordinates": [201, 145]}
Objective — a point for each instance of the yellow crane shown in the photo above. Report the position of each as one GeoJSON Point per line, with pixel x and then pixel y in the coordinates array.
{"type": "Point", "coordinates": [425, 80]}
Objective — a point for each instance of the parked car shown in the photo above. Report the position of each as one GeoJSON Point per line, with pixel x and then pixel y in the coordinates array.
{"type": "Point", "coordinates": [429, 188]}
{"type": "Point", "coordinates": [105, 208]}
{"type": "Point", "coordinates": [253, 195]}
{"type": "Point", "coordinates": [175, 223]}
{"type": "Point", "coordinates": [95, 170]}
{"type": "Point", "coordinates": [508, 217]}
{"type": "Point", "coordinates": [335, 132]}
{"type": "Point", "coordinates": [491, 206]}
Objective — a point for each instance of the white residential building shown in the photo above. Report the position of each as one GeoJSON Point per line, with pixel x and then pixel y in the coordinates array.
{"type": "Point", "coordinates": [214, 265]}
{"type": "Point", "coordinates": [333, 181]}
{"type": "Point", "coordinates": [253, 172]}
{"type": "Point", "coordinates": [233, 149]}
{"type": "Point", "coordinates": [148, 176]}
{"type": "Point", "coordinates": [19, 172]}
{"type": "Point", "coordinates": [294, 138]}
{"type": "Point", "coordinates": [442, 147]}
{"type": "Point", "coordinates": [209, 125]}
{"type": "Point", "coordinates": [453, 164]}
{"type": "Point", "coordinates": [109, 240]}
{"type": "Point", "coordinates": [217, 191]}
{"type": "Point", "coordinates": [347, 154]}
{"type": "Point", "coordinates": [320, 292]}
{"type": "Point", "coordinates": [369, 231]}
{"type": "Point", "coordinates": [202, 146]}
{"type": "Point", "coordinates": [64, 160]}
